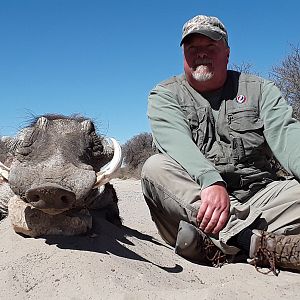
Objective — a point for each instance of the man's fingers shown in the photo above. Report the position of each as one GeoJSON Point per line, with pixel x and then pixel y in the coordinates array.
{"type": "Point", "coordinates": [214, 220]}
{"type": "Point", "coordinates": [201, 213]}
{"type": "Point", "coordinates": [213, 212]}
{"type": "Point", "coordinates": [206, 218]}
{"type": "Point", "coordinates": [222, 222]}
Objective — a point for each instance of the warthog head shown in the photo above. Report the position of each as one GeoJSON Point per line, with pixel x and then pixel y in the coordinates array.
{"type": "Point", "coordinates": [59, 161]}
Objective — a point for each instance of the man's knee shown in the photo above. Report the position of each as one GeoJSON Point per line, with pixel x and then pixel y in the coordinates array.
{"type": "Point", "coordinates": [150, 170]}
{"type": "Point", "coordinates": [152, 166]}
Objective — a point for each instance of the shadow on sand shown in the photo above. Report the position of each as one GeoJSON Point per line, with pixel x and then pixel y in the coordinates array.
{"type": "Point", "coordinates": [107, 238]}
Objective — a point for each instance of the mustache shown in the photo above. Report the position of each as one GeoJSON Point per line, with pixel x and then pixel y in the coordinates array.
{"type": "Point", "coordinates": [203, 61]}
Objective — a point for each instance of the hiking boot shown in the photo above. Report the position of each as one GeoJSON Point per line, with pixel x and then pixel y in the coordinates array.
{"type": "Point", "coordinates": [275, 251]}
{"type": "Point", "coordinates": [195, 245]}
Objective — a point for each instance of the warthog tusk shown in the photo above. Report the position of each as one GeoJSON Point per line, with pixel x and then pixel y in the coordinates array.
{"type": "Point", "coordinates": [105, 174]}
{"type": "Point", "coordinates": [4, 171]}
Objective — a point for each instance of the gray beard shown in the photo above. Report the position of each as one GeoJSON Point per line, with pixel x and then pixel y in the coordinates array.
{"type": "Point", "coordinates": [202, 74]}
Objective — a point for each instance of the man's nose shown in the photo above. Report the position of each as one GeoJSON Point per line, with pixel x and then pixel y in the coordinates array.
{"type": "Point", "coordinates": [201, 54]}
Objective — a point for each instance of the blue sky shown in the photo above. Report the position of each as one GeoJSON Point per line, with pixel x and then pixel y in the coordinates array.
{"type": "Point", "coordinates": [101, 58]}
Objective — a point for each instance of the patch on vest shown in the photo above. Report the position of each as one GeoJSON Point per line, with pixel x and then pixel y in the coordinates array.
{"type": "Point", "coordinates": [241, 99]}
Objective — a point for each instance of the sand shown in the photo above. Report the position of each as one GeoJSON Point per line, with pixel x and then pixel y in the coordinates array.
{"type": "Point", "coordinates": [131, 262]}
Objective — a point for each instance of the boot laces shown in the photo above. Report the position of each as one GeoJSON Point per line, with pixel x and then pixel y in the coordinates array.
{"type": "Point", "coordinates": [213, 253]}
{"type": "Point", "coordinates": [275, 256]}
{"type": "Point", "coordinates": [263, 255]}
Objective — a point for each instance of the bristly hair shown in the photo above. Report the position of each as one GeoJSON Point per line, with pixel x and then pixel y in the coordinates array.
{"type": "Point", "coordinates": [32, 119]}
{"type": "Point", "coordinates": [76, 117]}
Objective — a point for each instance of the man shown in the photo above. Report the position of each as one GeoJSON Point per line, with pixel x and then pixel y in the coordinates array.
{"type": "Point", "coordinates": [213, 190]}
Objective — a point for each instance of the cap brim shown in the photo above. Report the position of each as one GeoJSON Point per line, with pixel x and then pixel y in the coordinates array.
{"type": "Point", "coordinates": [216, 36]}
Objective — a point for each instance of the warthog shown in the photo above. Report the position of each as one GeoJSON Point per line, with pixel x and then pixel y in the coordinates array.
{"type": "Point", "coordinates": [59, 173]}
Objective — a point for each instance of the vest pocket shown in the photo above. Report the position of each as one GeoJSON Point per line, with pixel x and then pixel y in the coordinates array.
{"type": "Point", "coordinates": [246, 120]}
{"type": "Point", "coordinates": [245, 125]}
{"type": "Point", "coordinates": [197, 122]}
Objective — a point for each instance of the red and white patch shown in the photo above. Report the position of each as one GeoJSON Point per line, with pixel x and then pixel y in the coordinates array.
{"type": "Point", "coordinates": [240, 99]}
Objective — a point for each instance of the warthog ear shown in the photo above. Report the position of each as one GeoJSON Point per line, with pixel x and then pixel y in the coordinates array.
{"type": "Point", "coordinates": [87, 125]}
{"type": "Point", "coordinates": [42, 122]}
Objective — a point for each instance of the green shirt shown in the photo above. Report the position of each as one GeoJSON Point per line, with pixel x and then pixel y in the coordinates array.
{"type": "Point", "coordinates": [172, 134]}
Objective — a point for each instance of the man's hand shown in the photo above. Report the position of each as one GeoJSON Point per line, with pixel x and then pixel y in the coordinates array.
{"type": "Point", "coordinates": [214, 210]}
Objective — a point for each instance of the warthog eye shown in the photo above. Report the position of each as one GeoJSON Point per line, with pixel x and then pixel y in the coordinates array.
{"type": "Point", "coordinates": [93, 151]}
{"type": "Point", "coordinates": [97, 145]}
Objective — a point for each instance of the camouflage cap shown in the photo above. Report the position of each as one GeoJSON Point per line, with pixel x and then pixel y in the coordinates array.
{"type": "Point", "coordinates": [211, 27]}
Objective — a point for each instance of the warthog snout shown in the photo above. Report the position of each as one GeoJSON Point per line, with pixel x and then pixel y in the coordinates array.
{"type": "Point", "coordinates": [50, 197]}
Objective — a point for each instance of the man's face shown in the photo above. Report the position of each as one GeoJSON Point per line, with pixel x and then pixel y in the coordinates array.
{"type": "Point", "coordinates": [205, 62]}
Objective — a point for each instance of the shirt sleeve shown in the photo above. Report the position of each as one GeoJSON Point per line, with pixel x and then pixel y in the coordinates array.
{"type": "Point", "coordinates": [172, 136]}
{"type": "Point", "coordinates": [281, 130]}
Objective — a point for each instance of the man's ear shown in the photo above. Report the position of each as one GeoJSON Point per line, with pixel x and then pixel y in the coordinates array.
{"type": "Point", "coordinates": [228, 53]}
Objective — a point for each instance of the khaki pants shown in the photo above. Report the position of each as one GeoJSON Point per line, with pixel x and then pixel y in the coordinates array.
{"type": "Point", "coordinates": [172, 195]}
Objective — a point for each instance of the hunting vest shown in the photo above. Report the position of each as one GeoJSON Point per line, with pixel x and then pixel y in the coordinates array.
{"type": "Point", "coordinates": [231, 135]}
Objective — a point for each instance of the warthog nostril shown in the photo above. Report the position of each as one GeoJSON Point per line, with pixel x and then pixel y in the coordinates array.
{"type": "Point", "coordinates": [50, 196]}
{"type": "Point", "coordinates": [64, 199]}
{"type": "Point", "coordinates": [34, 198]}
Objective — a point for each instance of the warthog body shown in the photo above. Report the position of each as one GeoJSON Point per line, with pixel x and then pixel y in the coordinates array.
{"type": "Point", "coordinates": [54, 178]}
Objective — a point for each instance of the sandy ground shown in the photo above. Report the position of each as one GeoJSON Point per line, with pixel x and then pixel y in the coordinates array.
{"type": "Point", "coordinates": [124, 263]}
